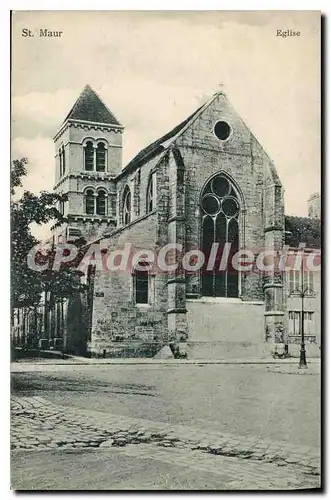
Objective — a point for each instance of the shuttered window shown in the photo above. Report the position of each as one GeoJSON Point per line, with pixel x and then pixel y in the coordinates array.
{"type": "Point", "coordinates": [101, 203]}
{"type": "Point", "coordinates": [89, 202]}
{"type": "Point", "coordinates": [89, 156]}
{"type": "Point", "coordinates": [101, 157]}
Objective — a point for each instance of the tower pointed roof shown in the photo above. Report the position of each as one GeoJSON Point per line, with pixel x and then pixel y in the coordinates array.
{"type": "Point", "coordinates": [90, 108]}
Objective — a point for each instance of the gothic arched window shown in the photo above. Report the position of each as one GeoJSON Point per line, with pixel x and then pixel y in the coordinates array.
{"type": "Point", "coordinates": [101, 203]}
{"type": "Point", "coordinates": [101, 157]}
{"type": "Point", "coordinates": [89, 202]}
{"type": "Point", "coordinates": [127, 206]}
{"type": "Point", "coordinates": [220, 212]}
{"type": "Point", "coordinates": [140, 277]}
{"type": "Point", "coordinates": [89, 156]}
{"type": "Point", "coordinates": [150, 195]}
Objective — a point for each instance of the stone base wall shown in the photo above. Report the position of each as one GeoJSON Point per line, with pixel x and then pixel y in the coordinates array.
{"type": "Point", "coordinates": [126, 330]}
{"type": "Point", "coordinates": [225, 321]}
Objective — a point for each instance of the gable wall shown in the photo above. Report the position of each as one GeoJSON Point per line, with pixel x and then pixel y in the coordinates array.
{"type": "Point", "coordinates": [241, 157]}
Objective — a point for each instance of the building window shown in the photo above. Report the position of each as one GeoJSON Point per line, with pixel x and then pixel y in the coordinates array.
{"type": "Point", "coordinates": [309, 318]}
{"type": "Point", "coordinates": [60, 159]}
{"type": "Point", "coordinates": [101, 157]}
{"type": "Point", "coordinates": [63, 161]}
{"type": "Point", "coordinates": [294, 323]}
{"type": "Point", "coordinates": [127, 206]}
{"type": "Point", "coordinates": [61, 207]}
{"type": "Point", "coordinates": [308, 281]}
{"type": "Point", "coordinates": [89, 202]}
{"type": "Point", "coordinates": [220, 210]}
{"type": "Point", "coordinates": [295, 281]}
{"type": "Point", "coordinates": [141, 283]}
{"type": "Point", "coordinates": [73, 233]}
{"type": "Point", "coordinates": [101, 203]}
{"type": "Point", "coordinates": [222, 130]}
{"type": "Point", "coordinates": [150, 195]}
{"type": "Point", "coordinates": [136, 192]}
{"type": "Point", "coordinates": [95, 156]}
{"type": "Point", "coordinates": [89, 156]}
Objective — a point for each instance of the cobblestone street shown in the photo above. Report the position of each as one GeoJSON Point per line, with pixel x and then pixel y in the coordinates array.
{"type": "Point", "coordinates": [126, 452]}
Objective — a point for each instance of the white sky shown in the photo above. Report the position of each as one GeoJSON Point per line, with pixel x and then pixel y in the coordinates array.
{"type": "Point", "coordinates": [152, 69]}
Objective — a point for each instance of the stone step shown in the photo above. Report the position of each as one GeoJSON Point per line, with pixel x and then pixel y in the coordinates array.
{"type": "Point", "coordinates": [133, 349]}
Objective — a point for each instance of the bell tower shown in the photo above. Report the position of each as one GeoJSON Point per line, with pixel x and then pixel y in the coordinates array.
{"type": "Point", "coordinates": [88, 157]}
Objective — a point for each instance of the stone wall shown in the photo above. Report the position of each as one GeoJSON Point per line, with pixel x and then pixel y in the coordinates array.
{"type": "Point", "coordinates": [119, 325]}
{"type": "Point", "coordinates": [137, 181]}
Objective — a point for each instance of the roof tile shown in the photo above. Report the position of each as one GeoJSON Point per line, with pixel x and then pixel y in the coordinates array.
{"type": "Point", "coordinates": [90, 108]}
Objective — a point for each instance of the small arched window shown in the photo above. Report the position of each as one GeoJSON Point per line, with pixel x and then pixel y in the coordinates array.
{"type": "Point", "coordinates": [150, 195]}
{"type": "Point", "coordinates": [60, 159]}
{"type": "Point", "coordinates": [89, 202]}
{"type": "Point", "coordinates": [63, 161]}
{"type": "Point", "coordinates": [101, 157]}
{"type": "Point", "coordinates": [89, 156]}
{"type": "Point", "coordinates": [141, 282]}
{"type": "Point", "coordinates": [127, 206]}
{"type": "Point", "coordinates": [61, 207]}
{"type": "Point", "coordinates": [101, 203]}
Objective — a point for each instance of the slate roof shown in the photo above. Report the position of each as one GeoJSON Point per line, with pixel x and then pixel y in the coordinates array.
{"type": "Point", "coordinates": [303, 230]}
{"type": "Point", "coordinates": [90, 108]}
{"type": "Point", "coordinates": [156, 148]}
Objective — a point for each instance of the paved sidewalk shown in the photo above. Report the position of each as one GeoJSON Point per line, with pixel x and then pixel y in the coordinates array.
{"type": "Point", "coordinates": [39, 425]}
{"type": "Point", "coordinates": [37, 364]}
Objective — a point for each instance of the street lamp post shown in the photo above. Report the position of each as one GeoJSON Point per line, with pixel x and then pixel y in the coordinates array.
{"type": "Point", "coordinates": [302, 292]}
{"type": "Point", "coordinates": [303, 361]}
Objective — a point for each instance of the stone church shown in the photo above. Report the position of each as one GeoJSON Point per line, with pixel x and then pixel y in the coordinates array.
{"type": "Point", "coordinates": [206, 181]}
